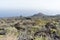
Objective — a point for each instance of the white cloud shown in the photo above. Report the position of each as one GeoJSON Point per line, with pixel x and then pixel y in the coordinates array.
{"type": "Point", "coordinates": [30, 4]}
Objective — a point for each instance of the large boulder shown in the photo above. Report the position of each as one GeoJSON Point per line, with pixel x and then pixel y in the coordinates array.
{"type": "Point", "coordinates": [50, 25]}
{"type": "Point", "coordinates": [2, 31]}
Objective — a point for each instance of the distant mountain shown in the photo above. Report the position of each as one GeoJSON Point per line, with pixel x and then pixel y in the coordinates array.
{"type": "Point", "coordinates": [41, 15]}
{"type": "Point", "coordinates": [57, 15]}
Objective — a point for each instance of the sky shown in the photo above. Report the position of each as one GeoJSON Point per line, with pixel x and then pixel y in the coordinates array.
{"type": "Point", "coordinates": [29, 7]}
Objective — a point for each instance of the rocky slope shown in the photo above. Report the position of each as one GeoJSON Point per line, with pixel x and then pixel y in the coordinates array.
{"type": "Point", "coordinates": [36, 27]}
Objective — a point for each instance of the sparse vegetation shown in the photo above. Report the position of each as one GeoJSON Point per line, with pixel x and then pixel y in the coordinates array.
{"type": "Point", "coordinates": [30, 28]}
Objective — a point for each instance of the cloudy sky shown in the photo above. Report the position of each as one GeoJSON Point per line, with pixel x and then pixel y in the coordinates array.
{"type": "Point", "coordinates": [28, 7]}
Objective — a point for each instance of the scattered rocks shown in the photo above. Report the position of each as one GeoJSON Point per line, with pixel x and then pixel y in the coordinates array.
{"type": "Point", "coordinates": [28, 29]}
{"type": "Point", "coordinates": [50, 32]}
